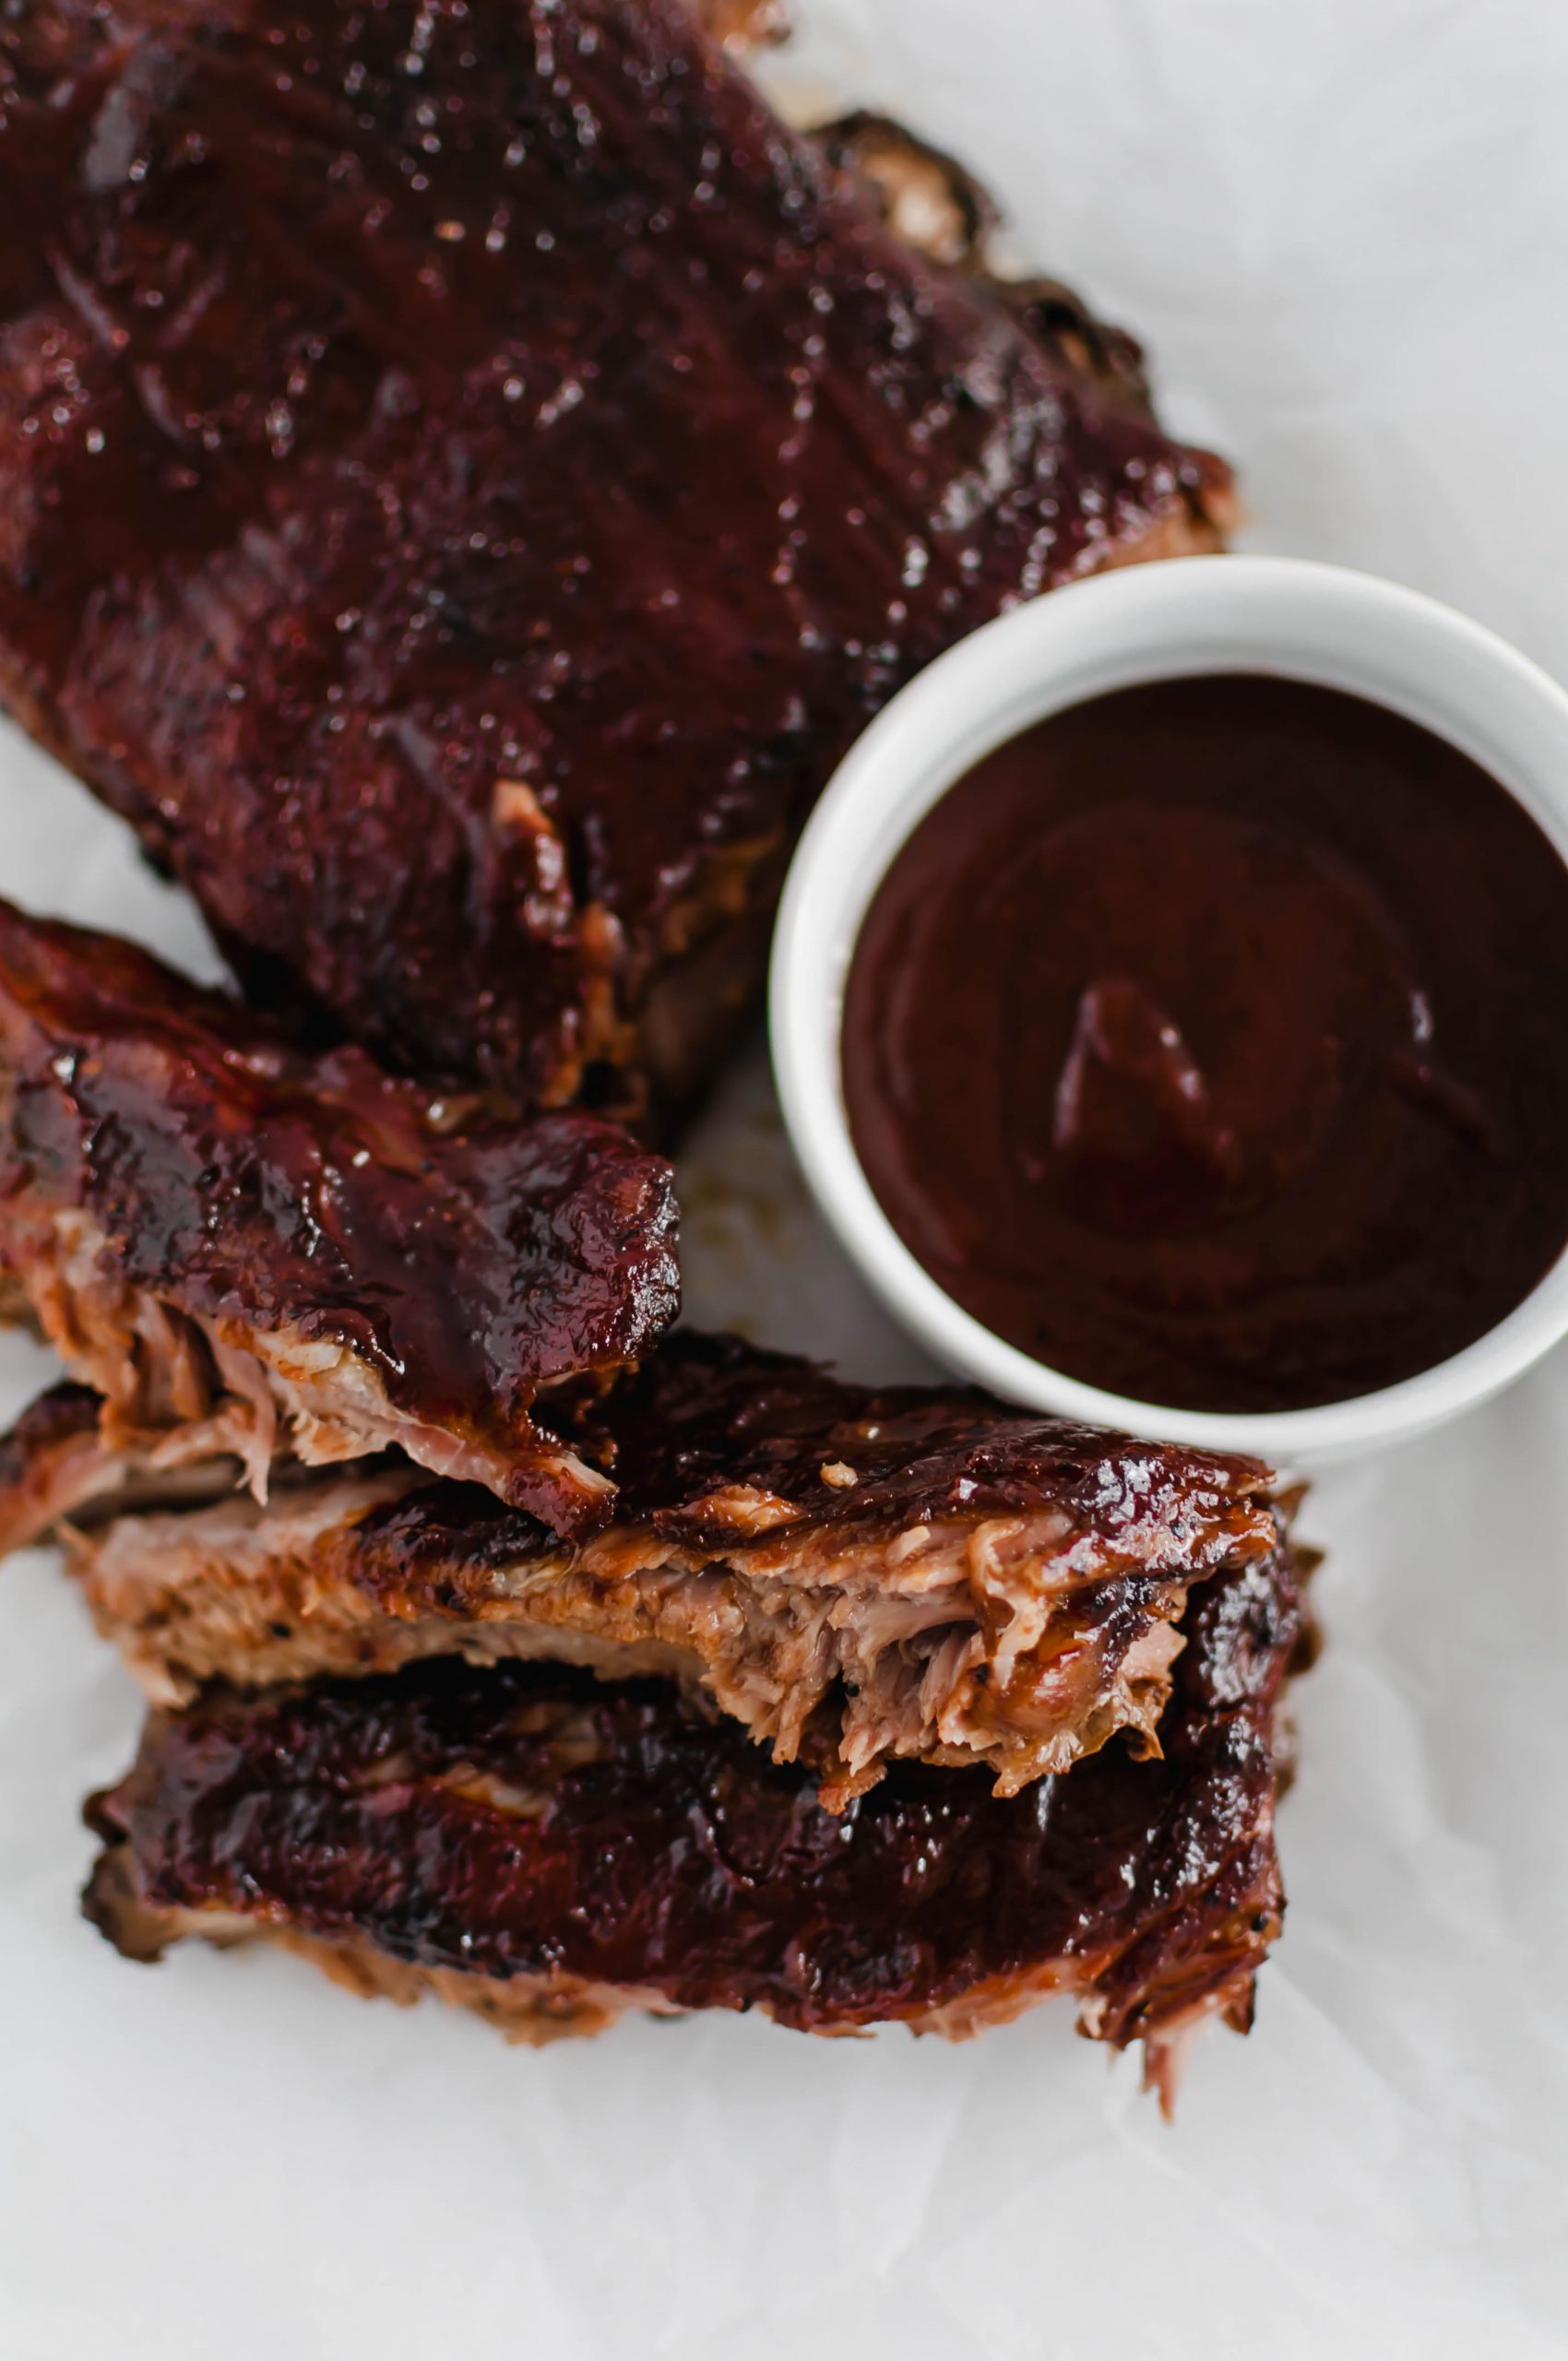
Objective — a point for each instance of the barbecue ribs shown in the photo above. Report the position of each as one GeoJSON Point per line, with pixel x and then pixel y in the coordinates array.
{"type": "Point", "coordinates": [550, 1853]}
{"type": "Point", "coordinates": [465, 477]}
{"type": "Point", "coordinates": [249, 1250]}
{"type": "Point", "coordinates": [855, 1577]}
{"type": "Point", "coordinates": [744, 25]}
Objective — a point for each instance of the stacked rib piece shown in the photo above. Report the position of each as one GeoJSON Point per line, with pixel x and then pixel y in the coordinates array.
{"type": "Point", "coordinates": [466, 474]}
{"type": "Point", "coordinates": [373, 1457]}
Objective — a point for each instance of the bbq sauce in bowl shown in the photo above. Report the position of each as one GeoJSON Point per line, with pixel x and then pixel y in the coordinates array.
{"type": "Point", "coordinates": [1208, 1041]}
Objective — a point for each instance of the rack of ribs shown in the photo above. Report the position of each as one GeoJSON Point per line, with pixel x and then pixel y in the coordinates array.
{"type": "Point", "coordinates": [548, 1853]}
{"type": "Point", "coordinates": [250, 1250]}
{"type": "Point", "coordinates": [466, 475]}
{"type": "Point", "coordinates": [855, 1577]}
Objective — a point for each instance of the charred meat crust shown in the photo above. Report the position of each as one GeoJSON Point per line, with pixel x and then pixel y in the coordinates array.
{"type": "Point", "coordinates": [710, 1413]}
{"type": "Point", "coordinates": [855, 1576]}
{"type": "Point", "coordinates": [1063, 322]}
{"type": "Point", "coordinates": [519, 1823]}
{"type": "Point", "coordinates": [935, 205]}
{"type": "Point", "coordinates": [224, 1233]}
{"type": "Point", "coordinates": [466, 589]}
{"type": "Point", "coordinates": [928, 200]}
{"type": "Point", "coordinates": [1013, 1643]}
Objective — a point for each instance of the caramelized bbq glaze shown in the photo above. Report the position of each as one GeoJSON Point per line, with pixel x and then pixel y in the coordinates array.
{"type": "Point", "coordinates": [520, 1821]}
{"type": "Point", "coordinates": [1210, 1042]}
{"type": "Point", "coordinates": [466, 1260]}
{"type": "Point", "coordinates": [465, 476]}
{"type": "Point", "coordinates": [55, 1438]}
{"type": "Point", "coordinates": [857, 1578]}
{"type": "Point", "coordinates": [706, 1414]}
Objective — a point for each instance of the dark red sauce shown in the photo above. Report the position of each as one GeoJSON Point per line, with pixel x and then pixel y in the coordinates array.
{"type": "Point", "coordinates": [1210, 1041]}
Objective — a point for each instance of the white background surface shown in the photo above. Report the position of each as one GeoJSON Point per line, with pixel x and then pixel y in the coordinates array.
{"type": "Point", "coordinates": [1341, 226]}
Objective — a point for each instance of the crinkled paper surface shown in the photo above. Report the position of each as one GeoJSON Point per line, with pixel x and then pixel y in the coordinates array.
{"type": "Point", "coordinates": [1342, 230]}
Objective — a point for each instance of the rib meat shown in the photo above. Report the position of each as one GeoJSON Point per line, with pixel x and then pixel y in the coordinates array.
{"type": "Point", "coordinates": [466, 474]}
{"type": "Point", "coordinates": [928, 199]}
{"type": "Point", "coordinates": [55, 1466]}
{"type": "Point", "coordinates": [246, 1250]}
{"type": "Point", "coordinates": [744, 25]}
{"type": "Point", "coordinates": [855, 1577]}
{"type": "Point", "coordinates": [550, 1853]}
{"type": "Point", "coordinates": [933, 203]}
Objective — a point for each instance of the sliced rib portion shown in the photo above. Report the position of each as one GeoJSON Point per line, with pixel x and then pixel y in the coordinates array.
{"type": "Point", "coordinates": [250, 1250]}
{"type": "Point", "coordinates": [550, 1853]}
{"type": "Point", "coordinates": [856, 1577]}
{"type": "Point", "coordinates": [466, 587]}
{"type": "Point", "coordinates": [55, 1466]}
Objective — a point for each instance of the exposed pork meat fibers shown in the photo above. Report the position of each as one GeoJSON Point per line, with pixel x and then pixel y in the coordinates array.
{"type": "Point", "coordinates": [856, 1577]}
{"type": "Point", "coordinates": [55, 1464]}
{"type": "Point", "coordinates": [252, 1251]}
{"type": "Point", "coordinates": [550, 1853]}
{"type": "Point", "coordinates": [466, 584]}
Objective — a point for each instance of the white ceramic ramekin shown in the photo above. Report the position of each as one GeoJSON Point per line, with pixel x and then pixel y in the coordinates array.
{"type": "Point", "coordinates": [1148, 623]}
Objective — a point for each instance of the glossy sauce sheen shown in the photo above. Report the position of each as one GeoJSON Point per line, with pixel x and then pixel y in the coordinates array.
{"type": "Point", "coordinates": [464, 1259]}
{"type": "Point", "coordinates": [1210, 1041]}
{"type": "Point", "coordinates": [523, 1820]}
{"type": "Point", "coordinates": [465, 584]}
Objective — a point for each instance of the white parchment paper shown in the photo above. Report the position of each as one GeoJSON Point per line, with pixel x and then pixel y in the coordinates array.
{"type": "Point", "coordinates": [1342, 227]}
